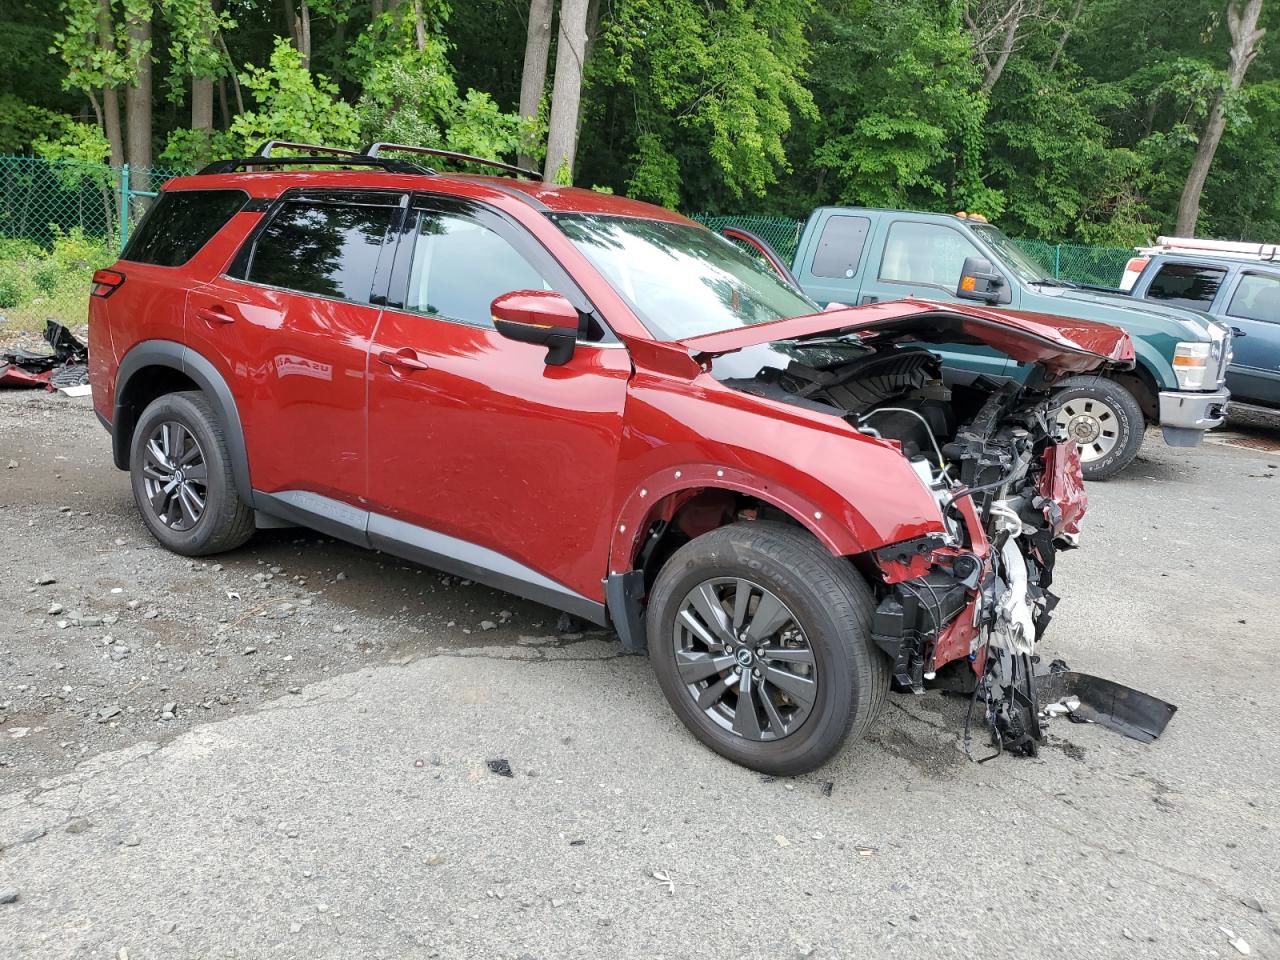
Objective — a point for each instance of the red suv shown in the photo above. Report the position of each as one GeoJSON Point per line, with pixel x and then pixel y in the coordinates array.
{"type": "Point", "coordinates": [602, 406]}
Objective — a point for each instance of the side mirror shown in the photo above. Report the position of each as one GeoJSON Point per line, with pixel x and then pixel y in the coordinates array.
{"type": "Point", "coordinates": [538, 316]}
{"type": "Point", "coordinates": [979, 281]}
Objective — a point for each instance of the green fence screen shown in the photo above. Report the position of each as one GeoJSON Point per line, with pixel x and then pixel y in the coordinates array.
{"type": "Point", "coordinates": [59, 221]}
{"type": "Point", "coordinates": [1102, 266]}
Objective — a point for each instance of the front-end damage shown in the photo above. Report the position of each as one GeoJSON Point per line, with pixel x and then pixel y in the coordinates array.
{"type": "Point", "coordinates": [964, 608]}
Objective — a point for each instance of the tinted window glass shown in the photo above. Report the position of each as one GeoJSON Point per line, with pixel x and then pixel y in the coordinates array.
{"type": "Point", "coordinates": [1257, 298]}
{"type": "Point", "coordinates": [1186, 285]}
{"type": "Point", "coordinates": [925, 253]}
{"type": "Point", "coordinates": [682, 280]}
{"type": "Point", "coordinates": [840, 247]}
{"type": "Point", "coordinates": [460, 267]}
{"type": "Point", "coordinates": [329, 249]}
{"type": "Point", "coordinates": [181, 223]}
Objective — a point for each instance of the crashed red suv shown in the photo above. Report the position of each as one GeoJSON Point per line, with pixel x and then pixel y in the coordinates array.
{"type": "Point", "coordinates": [602, 406]}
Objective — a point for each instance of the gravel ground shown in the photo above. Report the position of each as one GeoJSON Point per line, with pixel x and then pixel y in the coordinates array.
{"type": "Point", "coordinates": [284, 752]}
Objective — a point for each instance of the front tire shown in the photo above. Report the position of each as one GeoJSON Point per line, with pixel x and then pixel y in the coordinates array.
{"type": "Point", "coordinates": [1105, 422]}
{"type": "Point", "coordinates": [761, 642]}
{"type": "Point", "coordinates": [182, 482]}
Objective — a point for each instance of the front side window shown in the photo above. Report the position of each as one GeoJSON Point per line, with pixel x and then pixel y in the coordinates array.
{"type": "Point", "coordinates": [1186, 285]}
{"type": "Point", "coordinates": [460, 267]}
{"type": "Point", "coordinates": [682, 280]}
{"type": "Point", "coordinates": [322, 248]}
{"type": "Point", "coordinates": [1257, 298]}
{"type": "Point", "coordinates": [181, 223]}
{"type": "Point", "coordinates": [925, 253]}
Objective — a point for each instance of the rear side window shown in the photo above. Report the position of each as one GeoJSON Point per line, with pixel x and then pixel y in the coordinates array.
{"type": "Point", "coordinates": [181, 223]}
{"type": "Point", "coordinates": [1186, 285]}
{"type": "Point", "coordinates": [840, 246]}
{"type": "Point", "coordinates": [323, 248]}
{"type": "Point", "coordinates": [1257, 298]}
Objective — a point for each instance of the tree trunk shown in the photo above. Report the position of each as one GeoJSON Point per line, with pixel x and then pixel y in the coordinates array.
{"type": "Point", "coordinates": [1006, 48]}
{"type": "Point", "coordinates": [299, 23]}
{"type": "Point", "coordinates": [231, 72]}
{"type": "Point", "coordinates": [1066, 34]}
{"type": "Point", "coordinates": [110, 96]}
{"type": "Point", "coordinates": [534, 78]}
{"type": "Point", "coordinates": [222, 103]}
{"type": "Point", "coordinates": [419, 26]}
{"type": "Point", "coordinates": [201, 103]}
{"type": "Point", "coordinates": [566, 92]}
{"type": "Point", "coordinates": [593, 28]}
{"type": "Point", "coordinates": [375, 9]}
{"type": "Point", "coordinates": [1242, 20]}
{"type": "Point", "coordinates": [138, 100]}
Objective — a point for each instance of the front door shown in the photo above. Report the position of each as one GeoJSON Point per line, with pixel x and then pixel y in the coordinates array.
{"type": "Point", "coordinates": [480, 453]}
{"type": "Point", "coordinates": [924, 260]}
{"type": "Point", "coordinates": [1254, 309]}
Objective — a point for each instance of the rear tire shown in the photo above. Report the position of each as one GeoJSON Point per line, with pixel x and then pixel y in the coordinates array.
{"type": "Point", "coordinates": [182, 481]}
{"type": "Point", "coordinates": [1105, 422]}
{"type": "Point", "coordinates": [809, 612]}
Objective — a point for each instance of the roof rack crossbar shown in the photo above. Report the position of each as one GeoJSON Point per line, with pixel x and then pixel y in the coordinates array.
{"type": "Point", "coordinates": [375, 149]}
{"type": "Point", "coordinates": [389, 164]}
{"type": "Point", "coordinates": [313, 148]}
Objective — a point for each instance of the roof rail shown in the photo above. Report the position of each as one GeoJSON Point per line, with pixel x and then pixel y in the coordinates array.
{"type": "Point", "coordinates": [317, 154]}
{"type": "Point", "coordinates": [374, 149]}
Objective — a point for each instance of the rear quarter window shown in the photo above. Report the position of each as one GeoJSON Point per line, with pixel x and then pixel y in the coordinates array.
{"type": "Point", "coordinates": [840, 246]}
{"type": "Point", "coordinates": [1186, 285]}
{"type": "Point", "coordinates": [181, 223]}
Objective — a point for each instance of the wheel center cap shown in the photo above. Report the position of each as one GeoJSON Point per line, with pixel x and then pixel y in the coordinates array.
{"type": "Point", "coordinates": [179, 476]}
{"type": "Point", "coordinates": [744, 656]}
{"type": "Point", "coordinates": [1083, 429]}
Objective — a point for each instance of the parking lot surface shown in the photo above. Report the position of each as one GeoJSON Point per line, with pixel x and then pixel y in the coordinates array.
{"type": "Point", "coordinates": [283, 752]}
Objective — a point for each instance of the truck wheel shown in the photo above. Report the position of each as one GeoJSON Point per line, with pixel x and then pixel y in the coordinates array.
{"type": "Point", "coordinates": [761, 642]}
{"type": "Point", "coordinates": [1104, 421]}
{"type": "Point", "coordinates": [182, 482]}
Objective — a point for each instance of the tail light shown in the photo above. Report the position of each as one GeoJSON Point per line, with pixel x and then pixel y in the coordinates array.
{"type": "Point", "coordinates": [105, 283]}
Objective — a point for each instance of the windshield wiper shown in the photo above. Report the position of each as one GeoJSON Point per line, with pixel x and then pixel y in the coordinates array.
{"type": "Point", "coordinates": [1051, 282]}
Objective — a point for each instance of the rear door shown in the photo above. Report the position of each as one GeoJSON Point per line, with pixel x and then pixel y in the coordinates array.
{"type": "Point", "coordinates": [292, 320]}
{"type": "Point", "coordinates": [1253, 307]}
{"type": "Point", "coordinates": [483, 457]}
{"type": "Point", "coordinates": [923, 259]}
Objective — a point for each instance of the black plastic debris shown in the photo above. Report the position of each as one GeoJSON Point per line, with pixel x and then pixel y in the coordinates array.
{"type": "Point", "coordinates": [67, 366]}
{"type": "Point", "coordinates": [500, 767]}
{"type": "Point", "coordinates": [1125, 710]}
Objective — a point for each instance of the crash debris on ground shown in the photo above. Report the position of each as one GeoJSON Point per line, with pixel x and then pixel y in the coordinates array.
{"type": "Point", "coordinates": [66, 369]}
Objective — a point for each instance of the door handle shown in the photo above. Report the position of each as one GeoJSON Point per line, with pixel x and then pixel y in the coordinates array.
{"type": "Point", "coordinates": [402, 359]}
{"type": "Point", "coordinates": [215, 315]}
{"type": "Point", "coordinates": [868, 298]}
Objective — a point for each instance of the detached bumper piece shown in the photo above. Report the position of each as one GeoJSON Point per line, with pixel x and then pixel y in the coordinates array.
{"type": "Point", "coordinates": [1125, 710]}
{"type": "Point", "coordinates": [910, 616]}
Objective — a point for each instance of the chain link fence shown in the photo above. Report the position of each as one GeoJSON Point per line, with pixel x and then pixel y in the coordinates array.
{"type": "Point", "coordinates": [59, 221]}
{"type": "Point", "coordinates": [1101, 266]}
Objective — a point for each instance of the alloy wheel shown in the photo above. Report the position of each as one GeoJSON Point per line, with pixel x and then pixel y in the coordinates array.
{"type": "Point", "coordinates": [175, 476]}
{"type": "Point", "coordinates": [1092, 425]}
{"type": "Point", "coordinates": [744, 659]}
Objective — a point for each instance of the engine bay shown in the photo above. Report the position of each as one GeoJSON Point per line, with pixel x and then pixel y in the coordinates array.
{"type": "Point", "coordinates": [963, 610]}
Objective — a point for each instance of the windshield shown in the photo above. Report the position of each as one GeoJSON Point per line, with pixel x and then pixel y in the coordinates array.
{"type": "Point", "coordinates": [681, 280]}
{"type": "Point", "coordinates": [1027, 267]}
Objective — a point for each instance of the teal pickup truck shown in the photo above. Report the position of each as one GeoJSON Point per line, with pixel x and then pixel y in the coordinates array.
{"type": "Point", "coordinates": [854, 255]}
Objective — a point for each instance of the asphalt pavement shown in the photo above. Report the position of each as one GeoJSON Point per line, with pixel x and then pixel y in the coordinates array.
{"type": "Point", "coordinates": [359, 816]}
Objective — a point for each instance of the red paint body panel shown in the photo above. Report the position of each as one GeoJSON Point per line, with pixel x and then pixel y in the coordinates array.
{"type": "Point", "coordinates": [1063, 483]}
{"type": "Point", "coordinates": [1061, 345]}
{"type": "Point", "coordinates": [490, 445]}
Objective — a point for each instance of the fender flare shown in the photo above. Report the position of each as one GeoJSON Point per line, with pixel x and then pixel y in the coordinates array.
{"type": "Point", "coordinates": [834, 535]}
{"type": "Point", "coordinates": [177, 356]}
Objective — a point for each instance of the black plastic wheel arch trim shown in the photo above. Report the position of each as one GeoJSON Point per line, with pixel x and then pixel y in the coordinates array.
{"type": "Point", "coordinates": [176, 356]}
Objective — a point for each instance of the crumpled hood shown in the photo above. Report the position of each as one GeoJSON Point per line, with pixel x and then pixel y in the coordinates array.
{"type": "Point", "coordinates": [1060, 344]}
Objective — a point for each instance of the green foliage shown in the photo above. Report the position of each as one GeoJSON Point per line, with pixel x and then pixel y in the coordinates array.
{"type": "Point", "coordinates": [710, 85]}
{"type": "Point", "coordinates": [901, 112]}
{"type": "Point", "coordinates": [293, 104]}
{"type": "Point", "coordinates": [54, 281]}
{"type": "Point", "coordinates": [22, 123]}
{"type": "Point", "coordinates": [193, 49]}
